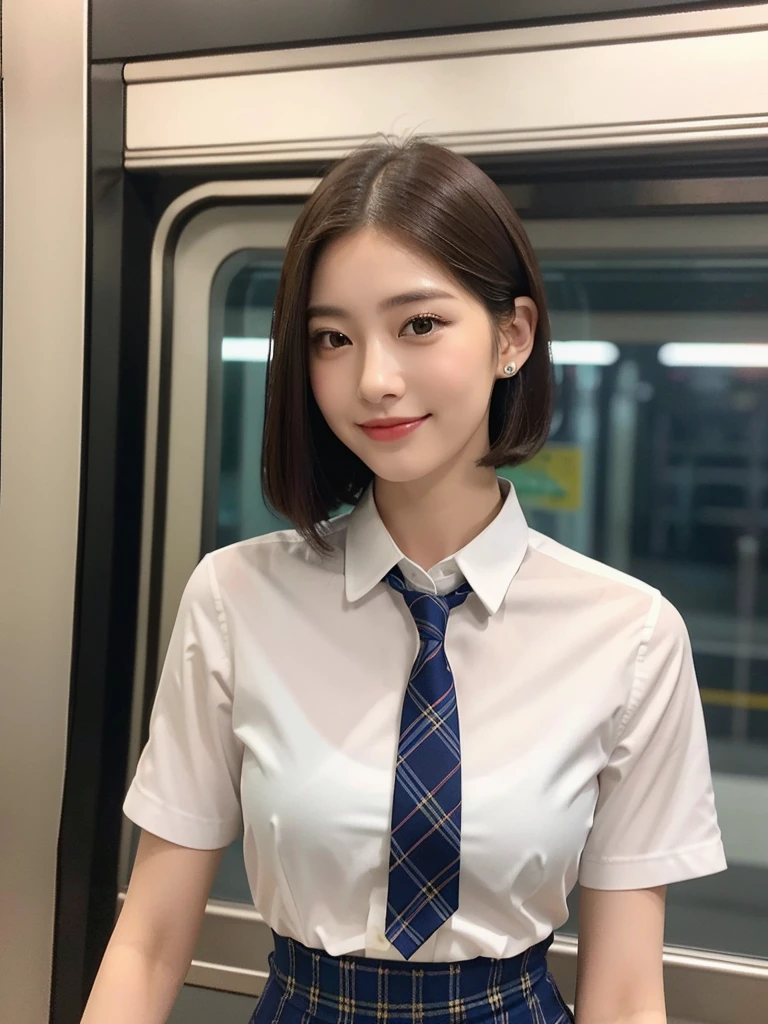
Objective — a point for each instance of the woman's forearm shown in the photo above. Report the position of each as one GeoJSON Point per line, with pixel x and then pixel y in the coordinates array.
{"type": "Point", "coordinates": [131, 988]}
{"type": "Point", "coordinates": [651, 1017]}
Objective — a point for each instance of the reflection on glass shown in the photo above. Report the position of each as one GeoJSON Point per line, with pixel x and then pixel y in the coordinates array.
{"type": "Point", "coordinates": [657, 464]}
{"type": "Point", "coordinates": [249, 286]}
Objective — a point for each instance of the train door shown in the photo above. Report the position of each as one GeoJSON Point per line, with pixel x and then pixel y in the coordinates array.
{"type": "Point", "coordinates": [657, 273]}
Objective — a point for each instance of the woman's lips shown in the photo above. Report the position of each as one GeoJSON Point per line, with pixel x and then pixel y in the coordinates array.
{"type": "Point", "coordinates": [391, 429]}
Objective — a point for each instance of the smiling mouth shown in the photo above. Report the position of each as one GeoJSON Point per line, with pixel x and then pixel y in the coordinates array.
{"type": "Point", "coordinates": [391, 429]}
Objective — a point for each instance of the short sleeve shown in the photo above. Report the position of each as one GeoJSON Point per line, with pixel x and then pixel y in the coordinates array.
{"type": "Point", "coordinates": [187, 783]}
{"type": "Point", "coordinates": [655, 820]}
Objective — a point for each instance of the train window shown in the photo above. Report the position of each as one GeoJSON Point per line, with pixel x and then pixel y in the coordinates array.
{"type": "Point", "coordinates": [248, 281]}
{"type": "Point", "coordinates": [657, 463]}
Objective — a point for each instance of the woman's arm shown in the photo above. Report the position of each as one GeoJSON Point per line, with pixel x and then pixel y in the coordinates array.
{"type": "Point", "coordinates": [151, 947]}
{"type": "Point", "coordinates": [621, 940]}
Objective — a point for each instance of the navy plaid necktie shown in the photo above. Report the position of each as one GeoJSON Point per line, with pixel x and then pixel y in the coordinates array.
{"type": "Point", "coordinates": [426, 811]}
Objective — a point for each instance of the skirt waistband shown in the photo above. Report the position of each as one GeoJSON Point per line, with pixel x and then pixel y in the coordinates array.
{"type": "Point", "coordinates": [349, 988]}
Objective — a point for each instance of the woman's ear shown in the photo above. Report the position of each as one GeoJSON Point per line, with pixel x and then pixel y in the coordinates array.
{"type": "Point", "coordinates": [516, 337]}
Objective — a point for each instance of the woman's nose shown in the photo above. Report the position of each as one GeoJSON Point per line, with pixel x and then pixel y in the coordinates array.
{"type": "Point", "coordinates": [380, 374]}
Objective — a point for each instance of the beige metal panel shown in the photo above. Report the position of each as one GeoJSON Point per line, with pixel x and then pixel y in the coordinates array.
{"type": "Point", "coordinates": [44, 65]}
{"type": "Point", "coordinates": [632, 93]}
{"type": "Point", "coordinates": [539, 37]}
{"type": "Point", "coordinates": [673, 236]}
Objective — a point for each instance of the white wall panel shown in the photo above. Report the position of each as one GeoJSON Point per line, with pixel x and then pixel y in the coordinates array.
{"type": "Point", "coordinates": [618, 93]}
{"type": "Point", "coordinates": [535, 37]}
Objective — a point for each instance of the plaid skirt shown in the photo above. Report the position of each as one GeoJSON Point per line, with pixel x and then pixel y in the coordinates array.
{"type": "Point", "coordinates": [308, 985]}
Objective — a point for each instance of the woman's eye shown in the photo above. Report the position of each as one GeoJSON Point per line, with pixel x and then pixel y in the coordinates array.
{"type": "Point", "coordinates": [330, 339]}
{"type": "Point", "coordinates": [423, 325]}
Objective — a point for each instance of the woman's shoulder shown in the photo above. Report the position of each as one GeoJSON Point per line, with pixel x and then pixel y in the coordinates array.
{"type": "Point", "coordinates": [278, 553]}
{"type": "Point", "coordinates": [574, 564]}
{"type": "Point", "coordinates": [598, 582]}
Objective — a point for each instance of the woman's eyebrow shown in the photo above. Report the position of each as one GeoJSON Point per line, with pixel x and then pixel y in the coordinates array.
{"type": "Point", "coordinates": [422, 295]}
{"type": "Point", "coordinates": [314, 311]}
{"type": "Point", "coordinates": [405, 299]}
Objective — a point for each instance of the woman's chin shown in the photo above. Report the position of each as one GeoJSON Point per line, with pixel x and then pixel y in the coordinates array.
{"type": "Point", "coordinates": [397, 468]}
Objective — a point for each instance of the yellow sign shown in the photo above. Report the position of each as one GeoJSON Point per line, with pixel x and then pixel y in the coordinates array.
{"type": "Point", "coordinates": [551, 480]}
{"type": "Point", "coordinates": [734, 699]}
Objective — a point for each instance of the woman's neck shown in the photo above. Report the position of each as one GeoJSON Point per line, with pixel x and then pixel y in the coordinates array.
{"type": "Point", "coordinates": [433, 518]}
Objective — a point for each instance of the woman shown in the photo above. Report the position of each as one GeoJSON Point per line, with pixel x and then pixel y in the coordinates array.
{"type": "Point", "coordinates": [431, 721]}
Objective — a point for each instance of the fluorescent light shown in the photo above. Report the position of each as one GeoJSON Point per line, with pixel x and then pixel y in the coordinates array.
{"type": "Point", "coordinates": [245, 350]}
{"type": "Point", "coordinates": [716, 354]}
{"type": "Point", "coordinates": [584, 353]}
{"type": "Point", "coordinates": [565, 353]}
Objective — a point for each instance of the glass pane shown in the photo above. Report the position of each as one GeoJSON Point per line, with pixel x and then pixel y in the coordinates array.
{"type": "Point", "coordinates": [657, 464]}
{"type": "Point", "coordinates": [663, 400]}
{"type": "Point", "coordinates": [248, 283]}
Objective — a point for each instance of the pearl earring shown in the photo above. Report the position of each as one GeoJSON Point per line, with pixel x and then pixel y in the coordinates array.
{"type": "Point", "coordinates": [510, 369]}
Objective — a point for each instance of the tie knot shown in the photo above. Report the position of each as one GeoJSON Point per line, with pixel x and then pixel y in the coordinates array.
{"type": "Point", "coordinates": [429, 611]}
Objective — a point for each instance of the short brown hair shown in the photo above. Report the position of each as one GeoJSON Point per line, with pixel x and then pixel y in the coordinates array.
{"type": "Point", "coordinates": [443, 205]}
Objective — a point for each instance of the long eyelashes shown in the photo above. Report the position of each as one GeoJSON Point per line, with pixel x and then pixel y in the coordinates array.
{"type": "Point", "coordinates": [318, 337]}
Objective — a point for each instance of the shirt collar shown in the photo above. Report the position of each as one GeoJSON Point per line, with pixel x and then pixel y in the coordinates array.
{"type": "Point", "coordinates": [489, 562]}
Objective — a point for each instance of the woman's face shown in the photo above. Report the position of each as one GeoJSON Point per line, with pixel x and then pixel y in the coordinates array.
{"type": "Point", "coordinates": [402, 359]}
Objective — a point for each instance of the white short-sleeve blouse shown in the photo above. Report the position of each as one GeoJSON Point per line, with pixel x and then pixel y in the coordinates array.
{"type": "Point", "coordinates": [584, 754]}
